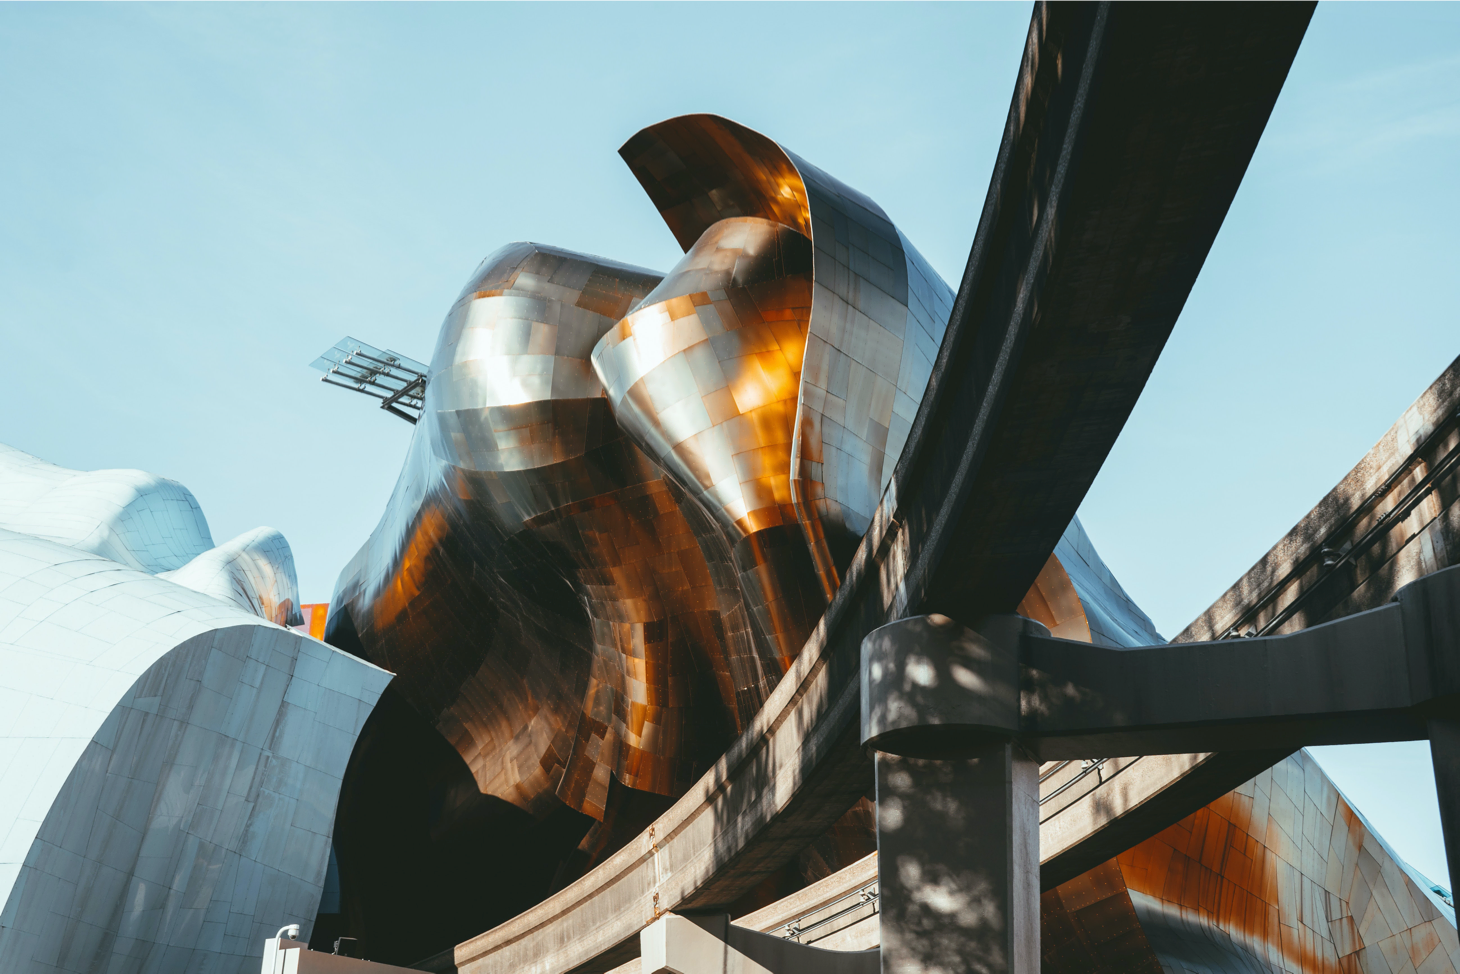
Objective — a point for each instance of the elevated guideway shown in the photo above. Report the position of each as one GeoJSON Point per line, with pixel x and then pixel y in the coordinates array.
{"type": "Point", "coordinates": [1129, 133]}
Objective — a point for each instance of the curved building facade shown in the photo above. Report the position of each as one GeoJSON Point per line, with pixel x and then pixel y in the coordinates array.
{"type": "Point", "coordinates": [878, 312]}
{"type": "Point", "coordinates": [602, 657]}
{"type": "Point", "coordinates": [1280, 874]}
{"type": "Point", "coordinates": [627, 502]}
{"type": "Point", "coordinates": [170, 754]}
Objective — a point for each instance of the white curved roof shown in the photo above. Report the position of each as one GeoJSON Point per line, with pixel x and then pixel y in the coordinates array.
{"type": "Point", "coordinates": [170, 758]}
{"type": "Point", "coordinates": [132, 517]}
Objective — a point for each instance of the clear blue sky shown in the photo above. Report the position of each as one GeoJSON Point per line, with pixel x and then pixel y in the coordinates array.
{"type": "Point", "coordinates": [195, 200]}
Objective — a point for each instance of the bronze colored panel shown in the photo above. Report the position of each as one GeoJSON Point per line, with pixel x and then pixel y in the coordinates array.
{"type": "Point", "coordinates": [535, 582]}
{"type": "Point", "coordinates": [1053, 602]}
{"type": "Point", "coordinates": [878, 312]}
{"type": "Point", "coordinates": [700, 169]}
{"type": "Point", "coordinates": [703, 376]}
{"type": "Point", "coordinates": [1089, 925]}
{"type": "Point", "coordinates": [628, 501]}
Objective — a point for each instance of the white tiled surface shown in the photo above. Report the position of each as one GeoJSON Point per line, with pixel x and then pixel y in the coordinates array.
{"type": "Point", "coordinates": [152, 525]}
{"type": "Point", "coordinates": [254, 571]}
{"type": "Point", "coordinates": [169, 761]}
{"type": "Point", "coordinates": [136, 519]}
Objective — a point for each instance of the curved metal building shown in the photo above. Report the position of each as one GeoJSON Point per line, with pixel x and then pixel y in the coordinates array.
{"type": "Point", "coordinates": [628, 501]}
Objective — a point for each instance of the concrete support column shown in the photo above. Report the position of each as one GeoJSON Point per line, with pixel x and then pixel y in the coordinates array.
{"type": "Point", "coordinates": [958, 863]}
{"type": "Point", "coordinates": [1445, 754]}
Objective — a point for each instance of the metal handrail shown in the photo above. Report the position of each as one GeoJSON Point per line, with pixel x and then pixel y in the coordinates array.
{"type": "Point", "coordinates": [865, 895]}
{"type": "Point", "coordinates": [1385, 523]}
{"type": "Point", "coordinates": [1085, 771]}
{"type": "Point", "coordinates": [1058, 767]}
{"type": "Point", "coordinates": [1294, 574]}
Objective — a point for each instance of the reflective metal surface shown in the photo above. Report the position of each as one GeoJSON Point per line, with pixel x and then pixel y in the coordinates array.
{"type": "Point", "coordinates": [172, 756]}
{"type": "Point", "coordinates": [536, 583]}
{"type": "Point", "coordinates": [145, 522]}
{"type": "Point", "coordinates": [254, 571]}
{"type": "Point", "coordinates": [558, 610]}
{"type": "Point", "coordinates": [1095, 226]}
{"type": "Point", "coordinates": [626, 506]}
{"type": "Point", "coordinates": [554, 593]}
{"type": "Point", "coordinates": [703, 375]}
{"type": "Point", "coordinates": [878, 311]}
{"type": "Point", "coordinates": [1281, 874]}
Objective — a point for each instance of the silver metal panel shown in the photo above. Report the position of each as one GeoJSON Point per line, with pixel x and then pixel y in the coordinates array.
{"type": "Point", "coordinates": [169, 762]}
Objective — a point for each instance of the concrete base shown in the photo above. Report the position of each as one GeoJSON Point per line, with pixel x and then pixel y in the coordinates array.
{"type": "Point", "coordinates": [713, 945]}
{"type": "Point", "coordinates": [295, 957]}
{"type": "Point", "coordinates": [958, 853]}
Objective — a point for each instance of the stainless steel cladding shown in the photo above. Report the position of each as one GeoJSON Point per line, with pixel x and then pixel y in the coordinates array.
{"type": "Point", "coordinates": [630, 497]}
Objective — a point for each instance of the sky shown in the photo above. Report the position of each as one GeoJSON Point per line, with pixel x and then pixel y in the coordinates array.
{"type": "Point", "coordinates": [196, 200]}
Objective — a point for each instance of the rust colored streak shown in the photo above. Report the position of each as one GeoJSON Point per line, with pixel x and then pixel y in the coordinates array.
{"type": "Point", "coordinates": [407, 581]}
{"type": "Point", "coordinates": [1282, 870]}
{"type": "Point", "coordinates": [1279, 874]}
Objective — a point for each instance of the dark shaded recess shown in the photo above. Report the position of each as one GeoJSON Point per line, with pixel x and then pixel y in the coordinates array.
{"type": "Point", "coordinates": [630, 811]}
{"type": "Point", "coordinates": [340, 632]}
{"type": "Point", "coordinates": [749, 658]}
{"type": "Point", "coordinates": [792, 258]}
{"type": "Point", "coordinates": [1092, 928]}
{"type": "Point", "coordinates": [779, 552]}
{"type": "Point", "coordinates": [426, 860]}
{"type": "Point", "coordinates": [711, 733]}
{"type": "Point", "coordinates": [702, 169]}
{"type": "Point", "coordinates": [849, 839]}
